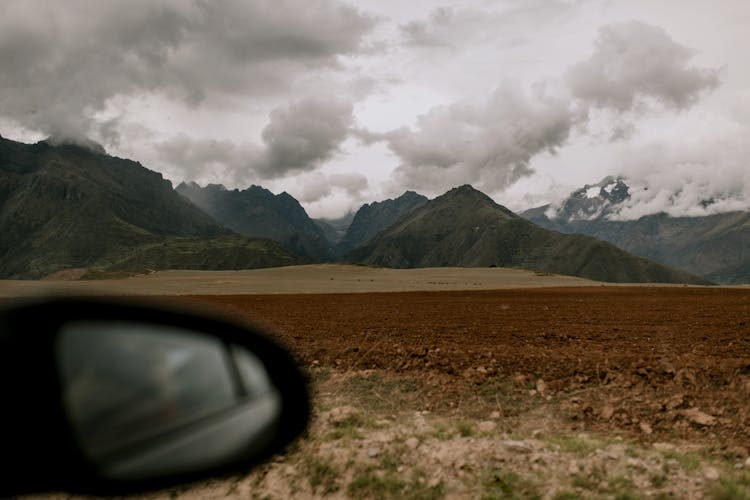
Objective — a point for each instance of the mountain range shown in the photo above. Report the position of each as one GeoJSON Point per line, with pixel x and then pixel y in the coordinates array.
{"type": "Point", "coordinates": [716, 247]}
{"type": "Point", "coordinates": [256, 212]}
{"type": "Point", "coordinates": [374, 217]}
{"type": "Point", "coordinates": [335, 229]}
{"type": "Point", "coordinates": [466, 228]}
{"type": "Point", "coordinates": [64, 206]}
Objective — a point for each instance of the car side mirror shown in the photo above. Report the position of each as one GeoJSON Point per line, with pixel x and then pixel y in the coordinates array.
{"type": "Point", "coordinates": [110, 397]}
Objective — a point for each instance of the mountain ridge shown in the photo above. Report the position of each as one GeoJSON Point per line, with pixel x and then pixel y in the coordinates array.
{"type": "Point", "coordinates": [257, 212]}
{"type": "Point", "coordinates": [371, 218]}
{"type": "Point", "coordinates": [716, 246]}
{"type": "Point", "coordinates": [465, 227]}
{"type": "Point", "coordinates": [66, 206]}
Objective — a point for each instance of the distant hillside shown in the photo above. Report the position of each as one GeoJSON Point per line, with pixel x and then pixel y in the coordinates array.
{"type": "Point", "coordinates": [716, 247]}
{"type": "Point", "coordinates": [464, 227]}
{"type": "Point", "coordinates": [64, 206]}
{"type": "Point", "coordinates": [215, 253]}
{"type": "Point", "coordinates": [374, 217]}
{"type": "Point", "coordinates": [256, 212]}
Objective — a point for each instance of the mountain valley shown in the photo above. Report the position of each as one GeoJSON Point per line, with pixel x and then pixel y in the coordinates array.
{"type": "Point", "coordinates": [64, 206]}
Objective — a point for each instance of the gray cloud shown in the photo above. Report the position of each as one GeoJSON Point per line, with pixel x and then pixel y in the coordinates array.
{"type": "Point", "coordinates": [301, 136]}
{"type": "Point", "coordinates": [451, 27]}
{"type": "Point", "coordinates": [487, 142]}
{"type": "Point", "coordinates": [352, 183]}
{"type": "Point", "coordinates": [635, 61]}
{"type": "Point", "coordinates": [440, 30]}
{"type": "Point", "coordinates": [319, 186]}
{"type": "Point", "coordinates": [206, 160]}
{"type": "Point", "coordinates": [699, 177]}
{"type": "Point", "coordinates": [491, 142]}
{"type": "Point", "coordinates": [63, 61]}
{"type": "Point", "coordinates": [298, 138]}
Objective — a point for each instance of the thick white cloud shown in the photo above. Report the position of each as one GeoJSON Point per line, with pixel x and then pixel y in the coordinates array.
{"type": "Point", "coordinates": [318, 186]}
{"type": "Point", "coordinates": [491, 142]}
{"type": "Point", "coordinates": [633, 62]}
{"type": "Point", "coordinates": [63, 61]}
{"type": "Point", "coordinates": [487, 142]}
{"type": "Point", "coordinates": [691, 179]}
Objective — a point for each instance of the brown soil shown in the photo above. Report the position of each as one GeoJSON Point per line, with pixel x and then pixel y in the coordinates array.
{"type": "Point", "coordinates": [662, 363]}
{"type": "Point", "coordinates": [598, 392]}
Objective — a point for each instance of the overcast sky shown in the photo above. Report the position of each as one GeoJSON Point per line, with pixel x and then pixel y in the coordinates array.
{"type": "Point", "coordinates": [341, 103]}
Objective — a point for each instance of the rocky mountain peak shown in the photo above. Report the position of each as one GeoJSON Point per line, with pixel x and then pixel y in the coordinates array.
{"type": "Point", "coordinates": [467, 198]}
{"type": "Point", "coordinates": [374, 217]}
{"type": "Point", "coordinates": [594, 201]}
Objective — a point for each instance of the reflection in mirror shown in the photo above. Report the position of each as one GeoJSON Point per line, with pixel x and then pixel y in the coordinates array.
{"type": "Point", "coordinates": [253, 375]}
{"type": "Point", "coordinates": [147, 400]}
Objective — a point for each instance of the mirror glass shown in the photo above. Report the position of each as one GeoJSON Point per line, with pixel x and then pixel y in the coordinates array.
{"type": "Point", "coordinates": [146, 400]}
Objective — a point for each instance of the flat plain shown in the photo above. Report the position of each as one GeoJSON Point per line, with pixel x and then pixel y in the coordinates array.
{"type": "Point", "coordinates": [315, 278]}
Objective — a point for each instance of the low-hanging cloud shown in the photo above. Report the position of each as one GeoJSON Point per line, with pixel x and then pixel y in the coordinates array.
{"type": "Point", "coordinates": [685, 180]}
{"type": "Point", "coordinates": [633, 62]}
{"type": "Point", "coordinates": [318, 186]}
{"type": "Point", "coordinates": [488, 142]}
{"type": "Point", "coordinates": [491, 142]}
{"type": "Point", "coordinates": [206, 160]}
{"type": "Point", "coordinates": [299, 137]}
{"type": "Point", "coordinates": [64, 61]}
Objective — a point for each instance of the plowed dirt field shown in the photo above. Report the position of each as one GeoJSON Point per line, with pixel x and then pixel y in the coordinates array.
{"type": "Point", "coordinates": [553, 393]}
{"type": "Point", "coordinates": [660, 362]}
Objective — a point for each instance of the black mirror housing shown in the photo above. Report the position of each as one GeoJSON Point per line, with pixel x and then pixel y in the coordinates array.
{"type": "Point", "coordinates": [44, 438]}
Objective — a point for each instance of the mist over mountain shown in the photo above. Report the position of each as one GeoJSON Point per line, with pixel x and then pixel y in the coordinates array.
{"type": "Point", "coordinates": [591, 202]}
{"type": "Point", "coordinates": [374, 217]}
{"type": "Point", "coordinates": [67, 206]}
{"type": "Point", "coordinates": [715, 246]}
{"type": "Point", "coordinates": [335, 229]}
{"type": "Point", "coordinates": [465, 227]}
{"type": "Point", "coordinates": [257, 212]}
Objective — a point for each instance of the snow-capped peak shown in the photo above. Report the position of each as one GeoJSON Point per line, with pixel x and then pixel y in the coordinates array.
{"type": "Point", "coordinates": [594, 201]}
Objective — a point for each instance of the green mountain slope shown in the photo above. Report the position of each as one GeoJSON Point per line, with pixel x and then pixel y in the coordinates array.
{"type": "Point", "coordinates": [66, 206]}
{"type": "Point", "coordinates": [256, 212]}
{"type": "Point", "coordinates": [716, 247]}
{"type": "Point", "coordinates": [374, 217]}
{"type": "Point", "coordinates": [464, 227]}
{"type": "Point", "coordinates": [212, 253]}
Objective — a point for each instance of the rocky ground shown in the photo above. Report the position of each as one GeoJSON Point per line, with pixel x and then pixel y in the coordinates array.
{"type": "Point", "coordinates": [599, 392]}
{"type": "Point", "coordinates": [369, 441]}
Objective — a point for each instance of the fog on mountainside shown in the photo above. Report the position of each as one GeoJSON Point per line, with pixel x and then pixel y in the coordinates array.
{"type": "Point", "coordinates": [66, 206]}
{"type": "Point", "coordinates": [714, 246]}
{"type": "Point", "coordinates": [335, 229]}
{"type": "Point", "coordinates": [256, 212]}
